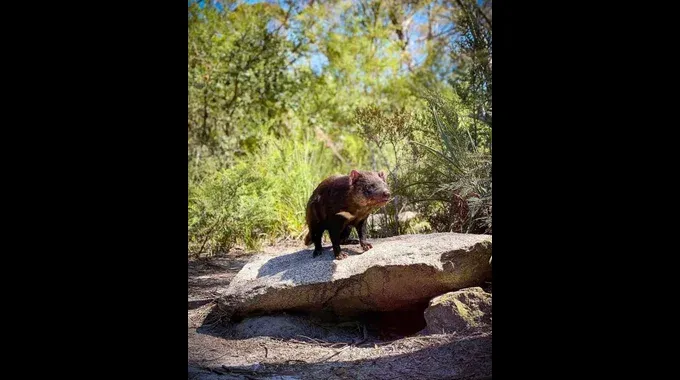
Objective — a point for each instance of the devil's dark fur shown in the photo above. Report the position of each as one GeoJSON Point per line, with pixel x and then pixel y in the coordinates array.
{"type": "Point", "coordinates": [342, 202]}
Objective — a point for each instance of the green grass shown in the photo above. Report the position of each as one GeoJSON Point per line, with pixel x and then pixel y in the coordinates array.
{"type": "Point", "coordinates": [259, 199]}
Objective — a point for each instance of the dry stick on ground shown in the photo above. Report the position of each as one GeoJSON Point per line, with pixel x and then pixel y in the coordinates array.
{"type": "Point", "coordinates": [313, 340]}
{"type": "Point", "coordinates": [320, 342]}
{"type": "Point", "coordinates": [337, 353]}
{"type": "Point", "coordinates": [219, 357]}
{"type": "Point", "coordinates": [326, 344]}
{"type": "Point", "coordinates": [349, 345]}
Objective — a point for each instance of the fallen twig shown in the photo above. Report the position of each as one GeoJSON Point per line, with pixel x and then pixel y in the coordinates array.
{"type": "Point", "coordinates": [337, 353]}
{"type": "Point", "coordinates": [312, 339]}
{"type": "Point", "coordinates": [215, 358]}
{"type": "Point", "coordinates": [315, 341]}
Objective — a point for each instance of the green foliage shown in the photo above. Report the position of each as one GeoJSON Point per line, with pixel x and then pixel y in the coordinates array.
{"type": "Point", "coordinates": [267, 122]}
{"type": "Point", "coordinates": [457, 176]}
{"type": "Point", "coordinates": [435, 166]}
{"type": "Point", "coordinates": [229, 207]}
{"type": "Point", "coordinates": [261, 198]}
{"type": "Point", "coordinates": [238, 84]}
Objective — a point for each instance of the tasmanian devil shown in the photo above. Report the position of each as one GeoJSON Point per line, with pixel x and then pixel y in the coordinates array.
{"type": "Point", "coordinates": [342, 202]}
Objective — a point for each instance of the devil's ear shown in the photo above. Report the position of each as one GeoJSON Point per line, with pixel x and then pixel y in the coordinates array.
{"type": "Point", "coordinates": [381, 174]}
{"type": "Point", "coordinates": [353, 176]}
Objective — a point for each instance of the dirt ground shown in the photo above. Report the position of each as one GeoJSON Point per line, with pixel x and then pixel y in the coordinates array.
{"type": "Point", "coordinates": [218, 352]}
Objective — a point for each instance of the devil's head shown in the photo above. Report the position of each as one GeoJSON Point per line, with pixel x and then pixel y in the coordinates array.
{"type": "Point", "coordinates": [369, 188]}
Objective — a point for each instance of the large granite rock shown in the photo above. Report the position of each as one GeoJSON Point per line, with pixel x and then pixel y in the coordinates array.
{"type": "Point", "coordinates": [464, 311]}
{"type": "Point", "coordinates": [396, 273]}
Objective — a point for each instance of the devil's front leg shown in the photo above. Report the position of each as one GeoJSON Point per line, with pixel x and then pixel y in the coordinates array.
{"type": "Point", "coordinates": [362, 239]}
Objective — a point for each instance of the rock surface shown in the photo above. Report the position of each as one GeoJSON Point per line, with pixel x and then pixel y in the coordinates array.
{"type": "Point", "coordinates": [396, 273]}
{"type": "Point", "coordinates": [466, 310]}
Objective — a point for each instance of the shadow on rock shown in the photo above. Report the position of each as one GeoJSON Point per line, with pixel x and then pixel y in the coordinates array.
{"type": "Point", "coordinates": [301, 268]}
